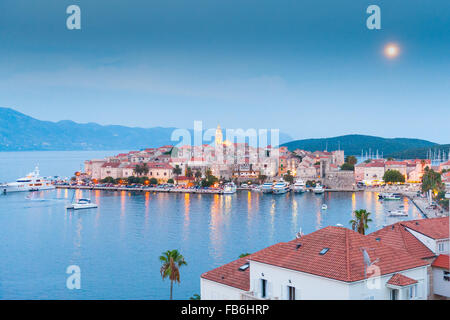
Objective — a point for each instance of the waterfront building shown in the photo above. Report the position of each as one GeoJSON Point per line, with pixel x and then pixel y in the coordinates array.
{"type": "Point", "coordinates": [350, 265]}
{"type": "Point", "coordinates": [160, 171]}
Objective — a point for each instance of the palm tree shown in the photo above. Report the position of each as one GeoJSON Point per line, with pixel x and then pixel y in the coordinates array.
{"type": "Point", "coordinates": [137, 170]}
{"type": "Point", "coordinates": [176, 171]}
{"type": "Point", "coordinates": [189, 172]}
{"type": "Point", "coordinates": [145, 169]}
{"type": "Point", "coordinates": [171, 261]}
{"type": "Point", "coordinates": [360, 223]}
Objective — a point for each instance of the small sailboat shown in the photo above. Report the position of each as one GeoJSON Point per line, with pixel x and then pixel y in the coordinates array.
{"type": "Point", "coordinates": [324, 207]}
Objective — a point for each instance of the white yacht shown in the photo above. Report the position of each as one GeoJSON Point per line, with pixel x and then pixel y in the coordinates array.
{"type": "Point", "coordinates": [280, 187]}
{"type": "Point", "coordinates": [32, 182]}
{"type": "Point", "coordinates": [299, 186]}
{"type": "Point", "coordinates": [318, 189]}
{"type": "Point", "coordinates": [324, 207]}
{"type": "Point", "coordinates": [83, 203]}
{"type": "Point", "coordinates": [267, 187]}
{"type": "Point", "coordinates": [229, 188]}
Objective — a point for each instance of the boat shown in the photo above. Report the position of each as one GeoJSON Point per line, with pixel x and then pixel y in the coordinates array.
{"type": "Point", "coordinates": [280, 187]}
{"type": "Point", "coordinates": [267, 187]}
{"type": "Point", "coordinates": [32, 182]}
{"type": "Point", "coordinates": [318, 189]}
{"type": "Point", "coordinates": [324, 207]}
{"type": "Point", "coordinates": [229, 188]}
{"type": "Point", "coordinates": [397, 213]}
{"type": "Point", "coordinates": [299, 186]}
{"type": "Point", "coordinates": [391, 196]}
{"type": "Point", "coordinates": [83, 203]}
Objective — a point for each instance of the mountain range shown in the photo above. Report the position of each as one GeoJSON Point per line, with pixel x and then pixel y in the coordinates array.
{"type": "Point", "coordinates": [19, 132]}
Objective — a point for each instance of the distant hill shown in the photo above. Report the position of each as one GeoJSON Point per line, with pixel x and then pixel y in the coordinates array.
{"type": "Point", "coordinates": [354, 143]}
{"type": "Point", "coordinates": [420, 153]}
{"type": "Point", "coordinates": [19, 132]}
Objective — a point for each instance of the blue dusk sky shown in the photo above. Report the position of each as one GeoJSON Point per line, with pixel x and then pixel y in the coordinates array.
{"type": "Point", "coordinates": [308, 68]}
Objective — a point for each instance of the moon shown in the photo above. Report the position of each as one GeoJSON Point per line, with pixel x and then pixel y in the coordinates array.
{"type": "Point", "coordinates": [391, 50]}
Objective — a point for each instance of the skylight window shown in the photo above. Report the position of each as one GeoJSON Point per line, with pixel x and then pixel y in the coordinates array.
{"type": "Point", "coordinates": [323, 251]}
{"type": "Point", "coordinates": [244, 267]}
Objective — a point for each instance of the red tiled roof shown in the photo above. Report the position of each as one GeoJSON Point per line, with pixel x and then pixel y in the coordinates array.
{"type": "Point", "coordinates": [159, 165]}
{"type": "Point", "coordinates": [442, 261]}
{"type": "Point", "coordinates": [343, 261]}
{"type": "Point", "coordinates": [435, 228]}
{"type": "Point", "coordinates": [398, 237]}
{"type": "Point", "coordinates": [111, 164]}
{"type": "Point", "coordinates": [401, 280]}
{"type": "Point", "coordinates": [395, 163]}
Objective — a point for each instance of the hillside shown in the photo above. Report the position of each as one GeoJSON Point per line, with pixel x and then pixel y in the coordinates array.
{"type": "Point", "coordinates": [19, 132]}
{"type": "Point", "coordinates": [420, 153]}
{"type": "Point", "coordinates": [353, 144]}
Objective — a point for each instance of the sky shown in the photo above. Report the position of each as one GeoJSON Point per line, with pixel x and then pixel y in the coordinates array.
{"type": "Point", "coordinates": [309, 68]}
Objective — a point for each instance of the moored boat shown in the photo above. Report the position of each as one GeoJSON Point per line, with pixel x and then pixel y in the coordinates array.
{"type": "Point", "coordinates": [229, 188]}
{"type": "Point", "coordinates": [267, 187]}
{"type": "Point", "coordinates": [32, 182]}
{"type": "Point", "coordinates": [299, 186]}
{"type": "Point", "coordinates": [318, 189]}
{"type": "Point", "coordinates": [280, 187]}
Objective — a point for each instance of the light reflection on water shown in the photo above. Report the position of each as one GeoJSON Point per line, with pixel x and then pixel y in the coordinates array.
{"type": "Point", "coordinates": [117, 245]}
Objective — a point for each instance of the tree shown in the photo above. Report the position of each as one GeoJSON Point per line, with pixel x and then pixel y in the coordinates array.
{"type": "Point", "coordinates": [170, 181]}
{"type": "Point", "coordinates": [351, 160]}
{"type": "Point", "coordinates": [242, 255]}
{"type": "Point", "coordinates": [432, 180]}
{"type": "Point", "coordinates": [360, 223]}
{"type": "Point", "coordinates": [261, 178]}
{"type": "Point", "coordinates": [348, 167]}
{"type": "Point", "coordinates": [288, 177]}
{"type": "Point", "coordinates": [198, 175]}
{"type": "Point", "coordinates": [189, 172]}
{"type": "Point", "coordinates": [108, 180]}
{"type": "Point", "coordinates": [176, 171]}
{"type": "Point", "coordinates": [145, 169]}
{"type": "Point", "coordinates": [153, 181]}
{"type": "Point", "coordinates": [393, 176]}
{"type": "Point", "coordinates": [171, 261]}
{"type": "Point", "coordinates": [138, 170]}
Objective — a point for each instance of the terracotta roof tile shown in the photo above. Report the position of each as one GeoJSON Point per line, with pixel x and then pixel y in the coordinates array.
{"type": "Point", "coordinates": [401, 280]}
{"type": "Point", "coordinates": [343, 260]}
{"type": "Point", "coordinates": [442, 261]}
{"type": "Point", "coordinates": [435, 228]}
{"type": "Point", "coordinates": [398, 237]}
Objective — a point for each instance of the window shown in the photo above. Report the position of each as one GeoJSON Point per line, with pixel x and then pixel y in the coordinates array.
{"type": "Point", "coordinates": [412, 292]}
{"type": "Point", "coordinates": [441, 247]}
{"type": "Point", "coordinates": [263, 288]}
{"type": "Point", "coordinates": [291, 293]}
{"type": "Point", "coordinates": [394, 294]}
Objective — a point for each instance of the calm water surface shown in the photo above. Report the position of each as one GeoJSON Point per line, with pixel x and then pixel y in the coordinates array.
{"type": "Point", "coordinates": [118, 244]}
